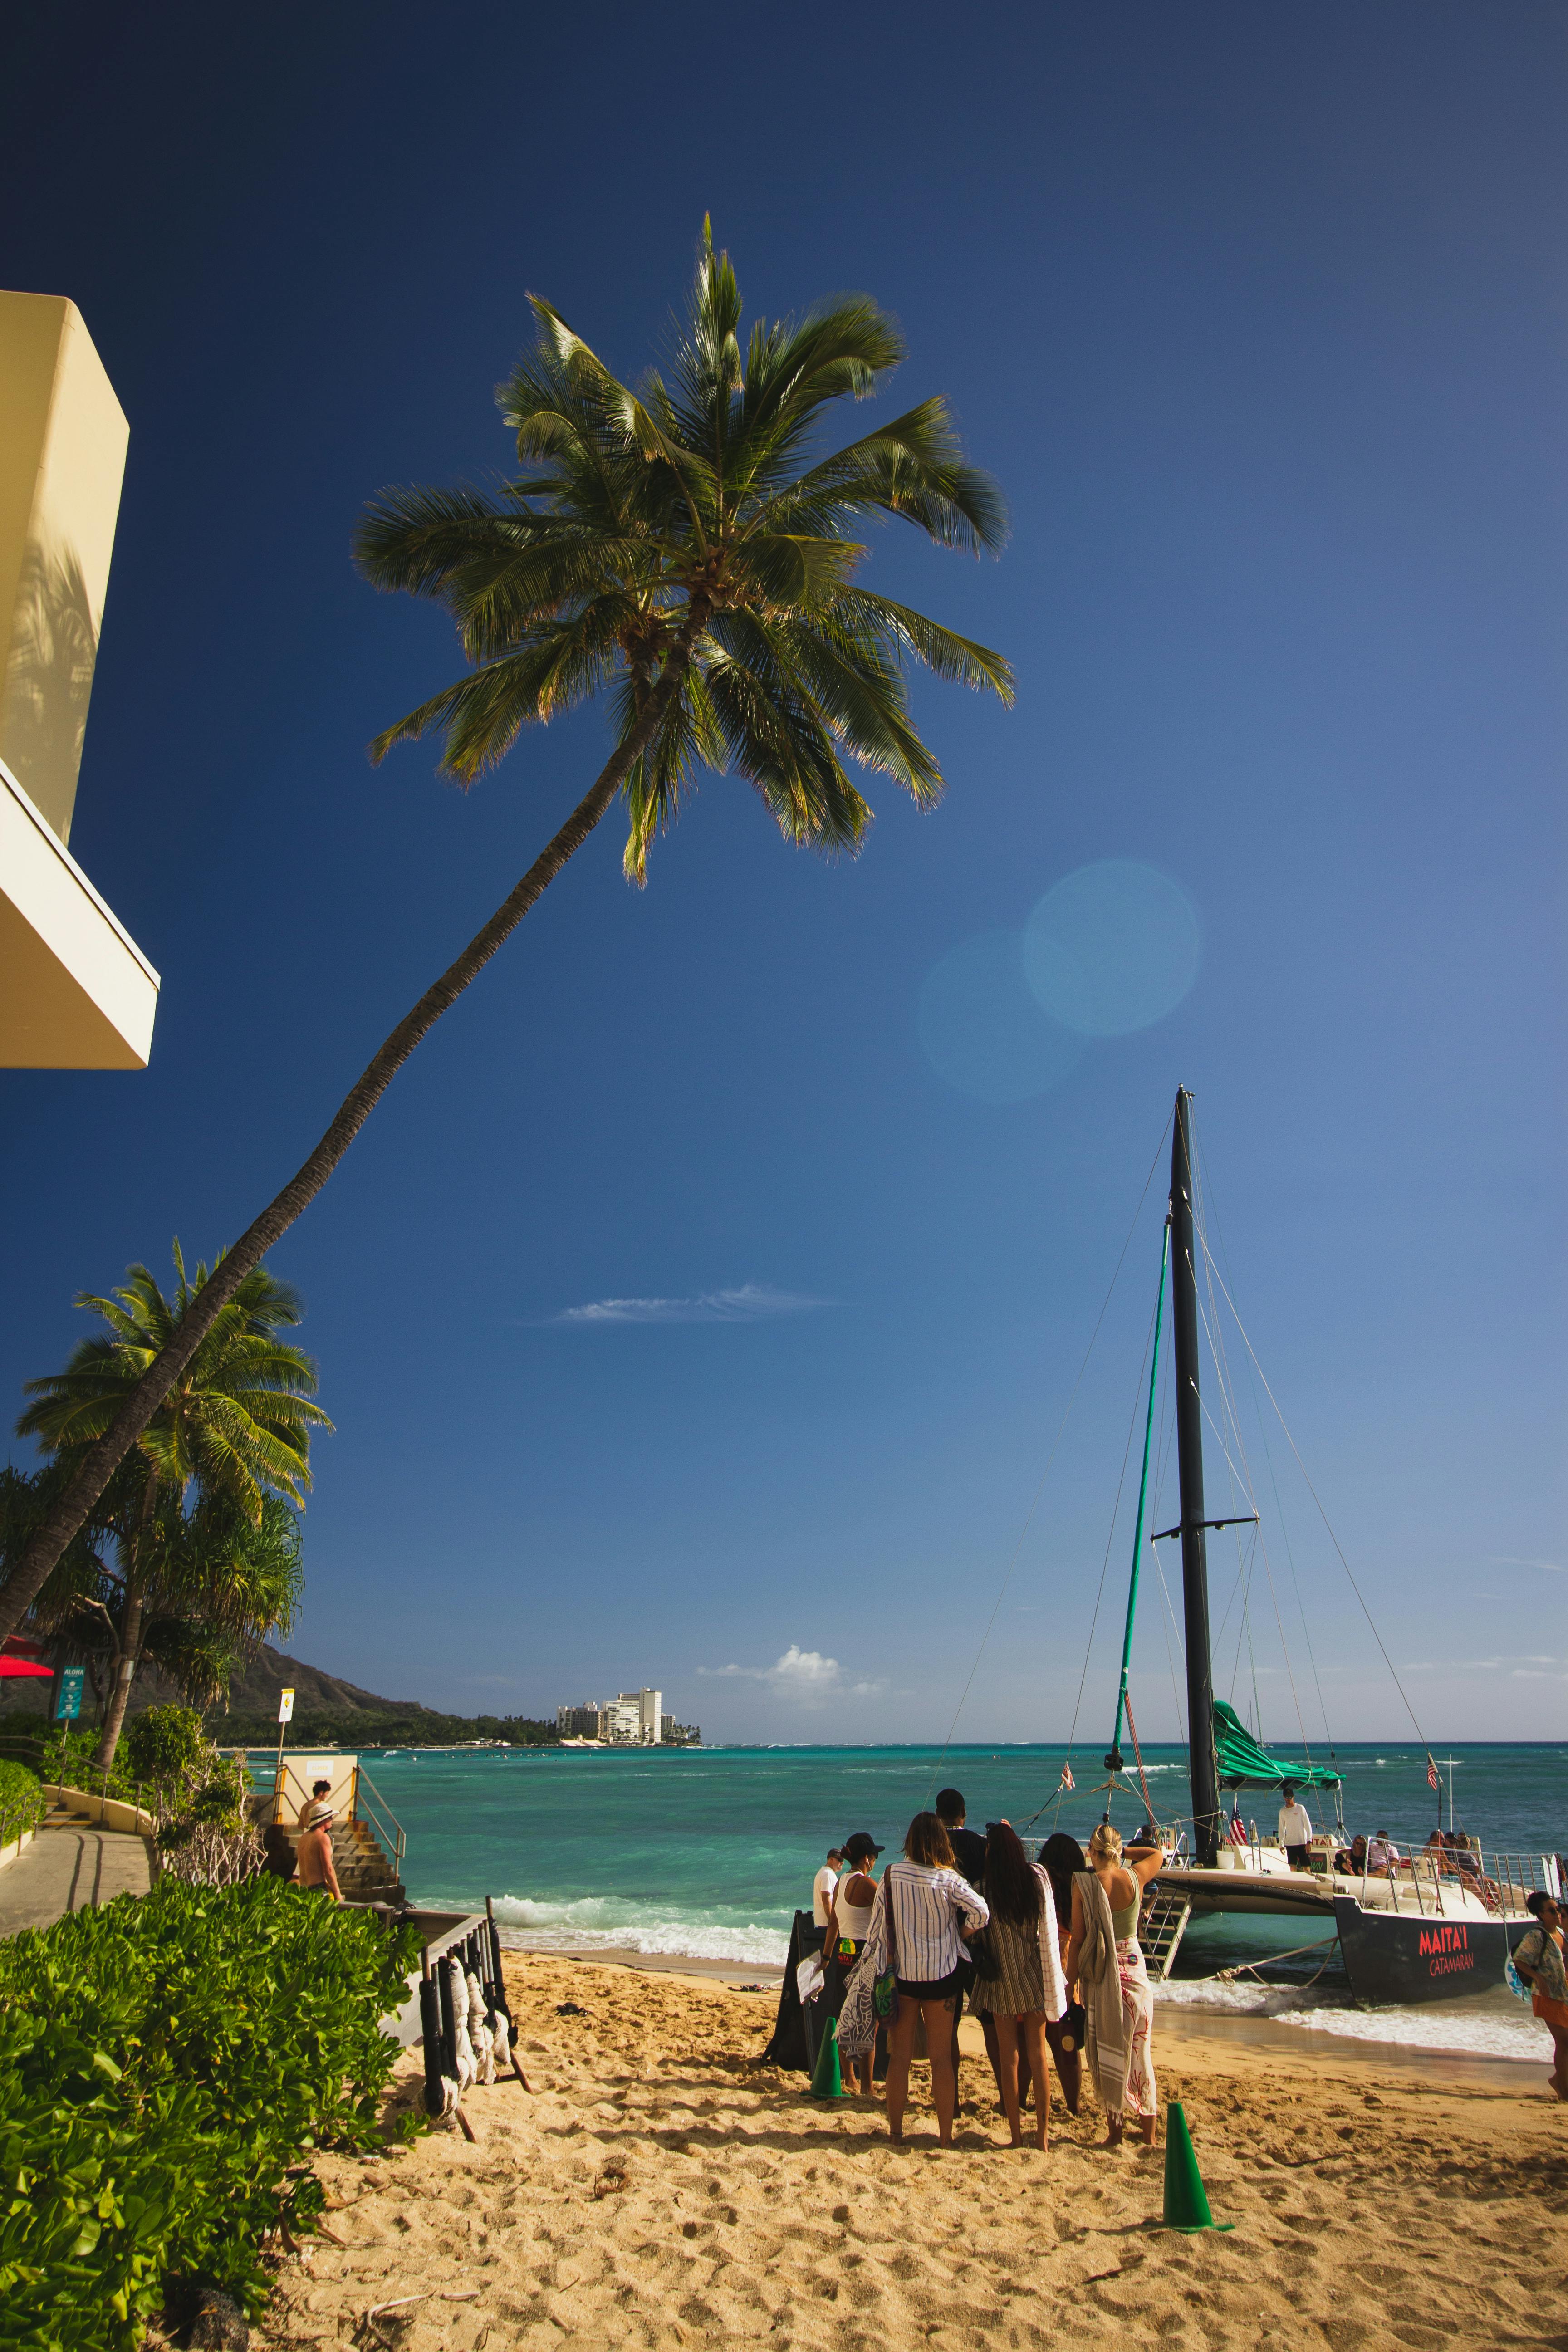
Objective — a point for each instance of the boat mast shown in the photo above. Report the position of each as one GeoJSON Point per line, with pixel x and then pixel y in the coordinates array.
{"type": "Point", "coordinates": [1190, 1464]}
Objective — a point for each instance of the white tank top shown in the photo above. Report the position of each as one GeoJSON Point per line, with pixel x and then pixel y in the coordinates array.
{"type": "Point", "coordinates": [853, 1918]}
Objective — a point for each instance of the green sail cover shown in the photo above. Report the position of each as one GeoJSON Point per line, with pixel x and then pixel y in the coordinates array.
{"type": "Point", "coordinates": [1243, 1764]}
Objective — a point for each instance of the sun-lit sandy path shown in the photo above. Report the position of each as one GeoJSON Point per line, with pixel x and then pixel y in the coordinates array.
{"type": "Point", "coordinates": [659, 2189]}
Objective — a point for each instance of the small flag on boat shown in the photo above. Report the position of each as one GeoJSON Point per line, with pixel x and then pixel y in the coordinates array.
{"type": "Point", "coordinates": [1066, 1780]}
{"type": "Point", "coordinates": [1432, 1779]}
{"type": "Point", "coordinates": [1235, 1831]}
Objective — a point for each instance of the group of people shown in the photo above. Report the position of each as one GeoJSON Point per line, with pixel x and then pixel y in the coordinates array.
{"type": "Point", "coordinates": [1044, 1951]}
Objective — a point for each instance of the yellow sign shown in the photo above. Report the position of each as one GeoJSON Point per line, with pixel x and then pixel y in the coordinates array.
{"type": "Point", "coordinates": [286, 1707]}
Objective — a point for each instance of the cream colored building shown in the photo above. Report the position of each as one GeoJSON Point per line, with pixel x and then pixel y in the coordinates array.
{"type": "Point", "coordinates": [75, 991]}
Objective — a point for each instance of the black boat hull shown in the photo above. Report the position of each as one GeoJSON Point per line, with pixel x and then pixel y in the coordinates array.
{"type": "Point", "coordinates": [1392, 1958]}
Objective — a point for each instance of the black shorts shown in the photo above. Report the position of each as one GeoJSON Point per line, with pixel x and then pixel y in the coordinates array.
{"type": "Point", "coordinates": [936, 1989]}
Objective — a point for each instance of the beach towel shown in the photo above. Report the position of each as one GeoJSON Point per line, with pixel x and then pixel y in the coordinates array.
{"type": "Point", "coordinates": [789, 2045]}
{"type": "Point", "coordinates": [1100, 1974]}
{"type": "Point", "coordinates": [479, 2030]}
{"type": "Point", "coordinates": [857, 2020]}
{"type": "Point", "coordinates": [1056, 1983]}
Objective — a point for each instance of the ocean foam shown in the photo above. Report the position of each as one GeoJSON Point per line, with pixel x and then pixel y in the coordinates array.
{"type": "Point", "coordinates": [1484, 2036]}
{"type": "Point", "coordinates": [607, 1923]}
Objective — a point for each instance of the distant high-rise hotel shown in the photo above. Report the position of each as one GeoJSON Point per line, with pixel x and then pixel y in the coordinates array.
{"type": "Point", "coordinates": [634, 1719]}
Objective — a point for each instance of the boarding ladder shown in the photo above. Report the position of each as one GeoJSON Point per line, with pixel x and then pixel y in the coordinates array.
{"type": "Point", "coordinates": [1162, 1924]}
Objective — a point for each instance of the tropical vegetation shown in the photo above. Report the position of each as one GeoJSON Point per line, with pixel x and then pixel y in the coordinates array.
{"type": "Point", "coordinates": [21, 1801]}
{"type": "Point", "coordinates": [164, 2064]}
{"type": "Point", "coordinates": [688, 552]}
{"type": "Point", "coordinates": [194, 1548]}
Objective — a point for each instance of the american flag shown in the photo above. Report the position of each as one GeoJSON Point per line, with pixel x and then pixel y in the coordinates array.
{"type": "Point", "coordinates": [1066, 1780]}
{"type": "Point", "coordinates": [1235, 1831]}
{"type": "Point", "coordinates": [1432, 1779]}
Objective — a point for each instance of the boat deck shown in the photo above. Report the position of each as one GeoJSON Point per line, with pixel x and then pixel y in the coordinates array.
{"type": "Point", "coordinates": [1261, 1881]}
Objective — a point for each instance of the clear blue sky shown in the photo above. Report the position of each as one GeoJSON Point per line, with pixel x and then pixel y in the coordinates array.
{"type": "Point", "coordinates": [1257, 314]}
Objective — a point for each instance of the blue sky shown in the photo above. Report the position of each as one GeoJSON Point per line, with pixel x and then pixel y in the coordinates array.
{"type": "Point", "coordinates": [1258, 316]}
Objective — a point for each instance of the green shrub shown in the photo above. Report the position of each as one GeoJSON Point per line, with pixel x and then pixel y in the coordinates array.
{"type": "Point", "coordinates": [161, 2064]}
{"type": "Point", "coordinates": [69, 1757]}
{"type": "Point", "coordinates": [21, 1801]}
{"type": "Point", "coordinates": [163, 1746]}
{"type": "Point", "coordinates": [202, 1833]}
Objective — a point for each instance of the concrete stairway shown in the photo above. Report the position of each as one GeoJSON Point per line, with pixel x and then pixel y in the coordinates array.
{"type": "Point", "coordinates": [366, 1872]}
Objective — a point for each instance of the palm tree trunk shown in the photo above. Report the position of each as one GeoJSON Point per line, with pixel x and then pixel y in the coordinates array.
{"type": "Point", "coordinates": [120, 1696]}
{"type": "Point", "coordinates": [127, 1646]}
{"type": "Point", "coordinates": [61, 1522]}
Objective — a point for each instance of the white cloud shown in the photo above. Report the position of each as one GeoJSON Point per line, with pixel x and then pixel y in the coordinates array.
{"type": "Point", "coordinates": [1525, 1662]}
{"type": "Point", "coordinates": [805, 1676]}
{"type": "Point", "coordinates": [1509, 1560]}
{"type": "Point", "coordinates": [748, 1302]}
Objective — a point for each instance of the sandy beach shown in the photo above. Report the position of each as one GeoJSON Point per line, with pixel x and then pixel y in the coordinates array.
{"type": "Point", "coordinates": [660, 2188]}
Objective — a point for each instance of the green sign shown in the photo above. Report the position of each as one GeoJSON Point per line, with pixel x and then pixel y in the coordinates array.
{"type": "Point", "coordinates": [67, 1694]}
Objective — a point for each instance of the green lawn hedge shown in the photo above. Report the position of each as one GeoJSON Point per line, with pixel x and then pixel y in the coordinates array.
{"type": "Point", "coordinates": [21, 1801]}
{"type": "Point", "coordinates": [163, 2061]}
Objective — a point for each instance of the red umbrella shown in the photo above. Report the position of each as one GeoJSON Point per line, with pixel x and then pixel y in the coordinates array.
{"type": "Point", "coordinates": [20, 1656]}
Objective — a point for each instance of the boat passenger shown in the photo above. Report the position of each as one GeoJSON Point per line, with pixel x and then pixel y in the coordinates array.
{"type": "Point", "coordinates": [1104, 1953]}
{"type": "Point", "coordinates": [1538, 1956]}
{"type": "Point", "coordinates": [1381, 1851]}
{"type": "Point", "coordinates": [1295, 1829]}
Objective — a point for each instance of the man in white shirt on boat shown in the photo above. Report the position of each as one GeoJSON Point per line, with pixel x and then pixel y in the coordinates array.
{"type": "Point", "coordinates": [1295, 1829]}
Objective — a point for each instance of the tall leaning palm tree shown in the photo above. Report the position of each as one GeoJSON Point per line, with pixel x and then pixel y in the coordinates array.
{"type": "Point", "coordinates": [687, 551]}
{"type": "Point", "coordinates": [237, 1421]}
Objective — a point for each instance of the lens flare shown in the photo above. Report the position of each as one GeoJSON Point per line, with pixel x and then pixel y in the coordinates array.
{"type": "Point", "coordinates": [982, 1032]}
{"type": "Point", "coordinates": [1112, 949]}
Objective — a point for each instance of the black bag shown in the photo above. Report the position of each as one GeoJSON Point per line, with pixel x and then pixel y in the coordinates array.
{"type": "Point", "coordinates": [984, 1963]}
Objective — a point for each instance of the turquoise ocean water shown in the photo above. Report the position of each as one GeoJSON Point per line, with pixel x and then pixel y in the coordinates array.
{"type": "Point", "coordinates": [707, 1852]}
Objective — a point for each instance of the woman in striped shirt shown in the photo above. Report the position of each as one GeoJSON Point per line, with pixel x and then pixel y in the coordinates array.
{"type": "Point", "coordinates": [925, 1900]}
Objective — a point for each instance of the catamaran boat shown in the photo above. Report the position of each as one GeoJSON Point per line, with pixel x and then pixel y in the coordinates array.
{"type": "Point", "coordinates": [1427, 1927]}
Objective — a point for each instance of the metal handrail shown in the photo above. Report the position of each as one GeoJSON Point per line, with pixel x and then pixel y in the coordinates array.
{"type": "Point", "coordinates": [382, 1819]}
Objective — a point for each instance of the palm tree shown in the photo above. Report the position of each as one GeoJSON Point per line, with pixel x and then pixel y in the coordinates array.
{"type": "Point", "coordinates": [215, 1581]}
{"type": "Point", "coordinates": [686, 551]}
{"type": "Point", "coordinates": [237, 1421]}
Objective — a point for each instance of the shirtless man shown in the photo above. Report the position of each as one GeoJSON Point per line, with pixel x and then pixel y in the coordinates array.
{"type": "Point", "coordinates": [314, 1853]}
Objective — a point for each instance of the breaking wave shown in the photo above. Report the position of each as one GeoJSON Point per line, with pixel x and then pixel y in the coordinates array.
{"type": "Point", "coordinates": [606, 1923]}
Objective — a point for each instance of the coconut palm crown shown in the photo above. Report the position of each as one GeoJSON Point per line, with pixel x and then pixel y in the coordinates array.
{"type": "Point", "coordinates": [688, 550]}
{"type": "Point", "coordinates": [690, 531]}
{"type": "Point", "coordinates": [238, 1420]}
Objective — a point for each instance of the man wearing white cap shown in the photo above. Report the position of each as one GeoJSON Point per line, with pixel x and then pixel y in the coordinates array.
{"type": "Point", "coordinates": [314, 1853]}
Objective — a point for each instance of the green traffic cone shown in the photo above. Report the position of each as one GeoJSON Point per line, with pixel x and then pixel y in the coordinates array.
{"type": "Point", "coordinates": [827, 2080]}
{"type": "Point", "coordinates": [1186, 2199]}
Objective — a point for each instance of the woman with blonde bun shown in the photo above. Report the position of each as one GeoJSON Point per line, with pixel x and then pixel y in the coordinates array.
{"type": "Point", "coordinates": [1104, 1953]}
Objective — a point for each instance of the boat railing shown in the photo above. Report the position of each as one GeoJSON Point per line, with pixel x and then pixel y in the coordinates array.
{"type": "Point", "coordinates": [1429, 1872]}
